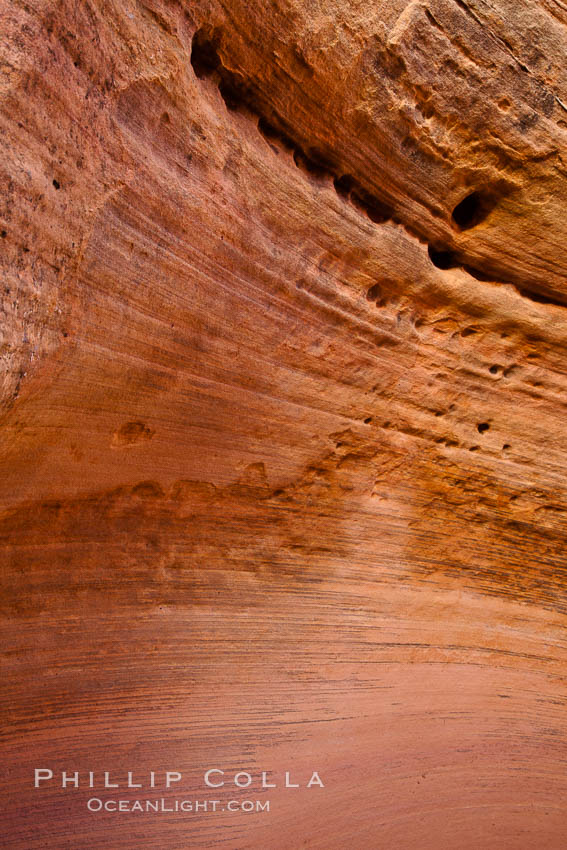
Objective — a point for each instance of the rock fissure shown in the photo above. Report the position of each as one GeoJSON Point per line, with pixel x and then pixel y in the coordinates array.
{"type": "Point", "coordinates": [445, 259]}
{"type": "Point", "coordinates": [471, 211]}
{"type": "Point", "coordinates": [237, 94]}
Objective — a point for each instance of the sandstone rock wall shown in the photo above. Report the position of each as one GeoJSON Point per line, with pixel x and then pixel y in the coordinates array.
{"type": "Point", "coordinates": [282, 433]}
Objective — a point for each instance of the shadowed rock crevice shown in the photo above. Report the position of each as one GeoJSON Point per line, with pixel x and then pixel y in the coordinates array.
{"type": "Point", "coordinates": [237, 94]}
{"type": "Point", "coordinates": [470, 212]}
{"type": "Point", "coordinates": [444, 258]}
{"type": "Point", "coordinates": [474, 208]}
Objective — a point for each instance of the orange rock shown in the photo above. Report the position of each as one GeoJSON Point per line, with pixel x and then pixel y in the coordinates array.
{"type": "Point", "coordinates": [282, 423]}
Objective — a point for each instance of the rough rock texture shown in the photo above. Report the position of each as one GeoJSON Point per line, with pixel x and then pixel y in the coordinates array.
{"type": "Point", "coordinates": [282, 433]}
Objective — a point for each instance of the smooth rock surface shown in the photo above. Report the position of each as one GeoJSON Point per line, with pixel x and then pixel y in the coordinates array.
{"type": "Point", "coordinates": [282, 418]}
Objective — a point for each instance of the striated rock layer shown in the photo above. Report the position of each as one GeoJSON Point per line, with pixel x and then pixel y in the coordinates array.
{"type": "Point", "coordinates": [282, 433]}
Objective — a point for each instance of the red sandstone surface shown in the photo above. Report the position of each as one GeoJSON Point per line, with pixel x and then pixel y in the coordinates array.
{"type": "Point", "coordinates": [282, 419]}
